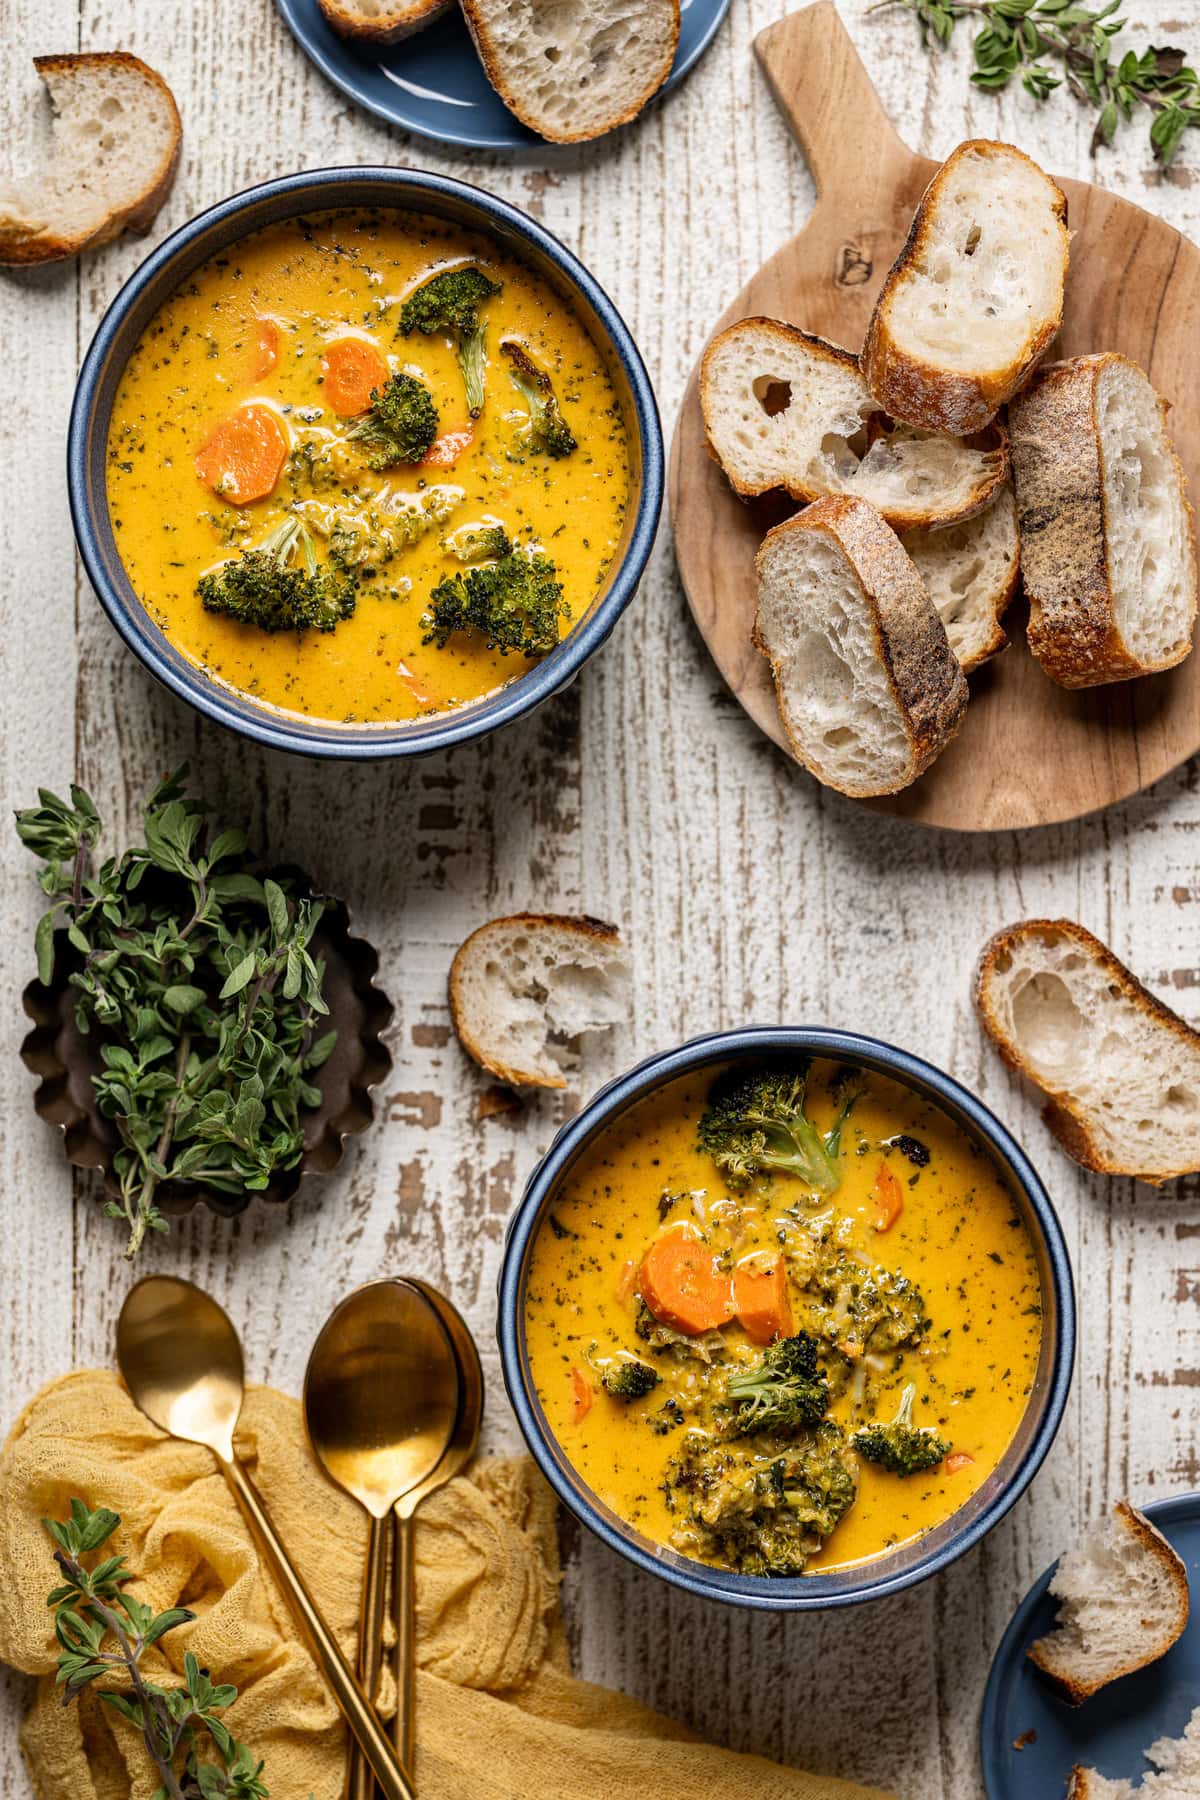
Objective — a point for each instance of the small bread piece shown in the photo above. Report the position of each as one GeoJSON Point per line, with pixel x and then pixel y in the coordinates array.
{"type": "Point", "coordinates": [1120, 1069]}
{"type": "Point", "coordinates": [970, 571]}
{"type": "Point", "coordinates": [523, 988]}
{"type": "Point", "coordinates": [1176, 1773]}
{"type": "Point", "coordinates": [578, 68]}
{"type": "Point", "coordinates": [116, 139]}
{"type": "Point", "coordinates": [1124, 1595]}
{"type": "Point", "coordinates": [1106, 539]}
{"type": "Point", "coordinates": [382, 21]}
{"type": "Point", "coordinates": [869, 690]}
{"type": "Point", "coordinates": [783, 409]}
{"type": "Point", "coordinates": [975, 296]}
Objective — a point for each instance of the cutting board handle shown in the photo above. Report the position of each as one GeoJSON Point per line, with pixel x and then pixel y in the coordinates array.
{"type": "Point", "coordinates": [826, 95]}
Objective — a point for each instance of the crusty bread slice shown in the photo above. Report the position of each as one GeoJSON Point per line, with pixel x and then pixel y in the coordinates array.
{"type": "Point", "coordinates": [976, 294]}
{"type": "Point", "coordinates": [970, 571]}
{"type": "Point", "coordinates": [1121, 1070]}
{"type": "Point", "coordinates": [1124, 1602]}
{"type": "Point", "coordinates": [1175, 1775]}
{"type": "Point", "coordinates": [522, 989]}
{"type": "Point", "coordinates": [1106, 539]}
{"type": "Point", "coordinates": [382, 21]}
{"type": "Point", "coordinates": [577, 68]}
{"type": "Point", "coordinates": [115, 150]}
{"type": "Point", "coordinates": [869, 690]}
{"type": "Point", "coordinates": [783, 409]}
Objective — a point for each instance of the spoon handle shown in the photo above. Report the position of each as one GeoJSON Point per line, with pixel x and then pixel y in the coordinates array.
{"type": "Point", "coordinates": [360, 1781]}
{"type": "Point", "coordinates": [356, 1708]}
{"type": "Point", "coordinates": [403, 1584]}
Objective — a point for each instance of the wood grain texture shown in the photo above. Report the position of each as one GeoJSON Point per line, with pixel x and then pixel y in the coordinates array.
{"type": "Point", "coordinates": [644, 795]}
{"type": "Point", "coordinates": [1029, 752]}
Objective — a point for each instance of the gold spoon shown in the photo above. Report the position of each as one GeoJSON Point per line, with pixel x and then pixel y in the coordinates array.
{"type": "Point", "coordinates": [459, 1452]}
{"type": "Point", "coordinates": [381, 1398]}
{"type": "Point", "coordinates": [182, 1363]}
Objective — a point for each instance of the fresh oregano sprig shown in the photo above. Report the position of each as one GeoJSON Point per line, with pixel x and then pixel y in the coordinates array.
{"type": "Point", "coordinates": [1052, 43]}
{"type": "Point", "coordinates": [197, 977]}
{"type": "Point", "coordinates": [104, 1631]}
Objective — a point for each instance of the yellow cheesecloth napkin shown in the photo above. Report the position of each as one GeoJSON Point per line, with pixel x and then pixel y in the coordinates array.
{"type": "Point", "coordinates": [500, 1717]}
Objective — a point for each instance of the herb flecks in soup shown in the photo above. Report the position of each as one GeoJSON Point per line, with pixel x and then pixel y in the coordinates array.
{"type": "Point", "coordinates": [363, 467]}
{"type": "Point", "coordinates": [788, 1320]}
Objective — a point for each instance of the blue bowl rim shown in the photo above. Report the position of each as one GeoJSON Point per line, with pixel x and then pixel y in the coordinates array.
{"type": "Point", "coordinates": [529, 689]}
{"type": "Point", "coordinates": [770, 1594]}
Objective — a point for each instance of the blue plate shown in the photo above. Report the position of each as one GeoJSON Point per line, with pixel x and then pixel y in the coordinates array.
{"type": "Point", "coordinates": [1110, 1732]}
{"type": "Point", "coordinates": [433, 83]}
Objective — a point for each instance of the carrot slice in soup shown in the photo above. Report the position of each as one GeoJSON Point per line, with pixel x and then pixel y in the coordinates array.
{"type": "Point", "coordinates": [353, 371]}
{"type": "Point", "coordinates": [445, 451]}
{"type": "Point", "coordinates": [956, 1461]}
{"type": "Point", "coordinates": [242, 458]}
{"type": "Point", "coordinates": [888, 1196]}
{"type": "Point", "coordinates": [265, 353]}
{"type": "Point", "coordinates": [681, 1287]}
{"type": "Point", "coordinates": [762, 1302]}
{"type": "Point", "coordinates": [581, 1396]}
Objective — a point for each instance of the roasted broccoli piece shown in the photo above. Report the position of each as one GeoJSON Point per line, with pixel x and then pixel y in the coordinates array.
{"type": "Point", "coordinates": [784, 1392]}
{"type": "Point", "coordinates": [515, 604]}
{"type": "Point", "coordinates": [449, 304]}
{"type": "Point", "coordinates": [847, 1091]}
{"type": "Point", "coordinates": [862, 1307]}
{"type": "Point", "coordinates": [546, 432]}
{"type": "Point", "coordinates": [755, 1123]}
{"type": "Point", "coordinates": [630, 1380]}
{"type": "Point", "coordinates": [478, 543]}
{"type": "Point", "coordinates": [401, 425]}
{"type": "Point", "coordinates": [900, 1446]}
{"type": "Point", "coordinates": [264, 586]}
{"type": "Point", "coordinates": [761, 1518]}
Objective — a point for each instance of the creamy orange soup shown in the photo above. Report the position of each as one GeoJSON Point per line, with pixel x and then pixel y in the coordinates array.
{"type": "Point", "coordinates": [915, 1271]}
{"type": "Point", "coordinates": [252, 329]}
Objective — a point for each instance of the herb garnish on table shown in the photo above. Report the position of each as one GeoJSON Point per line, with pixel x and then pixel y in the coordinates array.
{"type": "Point", "coordinates": [196, 974]}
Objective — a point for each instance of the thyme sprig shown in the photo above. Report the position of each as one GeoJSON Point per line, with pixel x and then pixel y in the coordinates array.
{"type": "Point", "coordinates": [102, 1630]}
{"type": "Point", "coordinates": [1054, 43]}
{"type": "Point", "coordinates": [197, 975]}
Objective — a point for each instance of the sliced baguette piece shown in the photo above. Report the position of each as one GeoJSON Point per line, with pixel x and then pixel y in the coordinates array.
{"type": "Point", "coordinates": [869, 690]}
{"type": "Point", "coordinates": [1124, 1602]}
{"type": "Point", "coordinates": [976, 294]}
{"type": "Point", "coordinates": [1105, 522]}
{"type": "Point", "coordinates": [578, 68]}
{"type": "Point", "coordinates": [784, 409]}
{"type": "Point", "coordinates": [382, 21]}
{"type": "Point", "coordinates": [1121, 1071]}
{"type": "Point", "coordinates": [523, 988]}
{"type": "Point", "coordinates": [1175, 1776]}
{"type": "Point", "coordinates": [970, 571]}
{"type": "Point", "coordinates": [115, 149]}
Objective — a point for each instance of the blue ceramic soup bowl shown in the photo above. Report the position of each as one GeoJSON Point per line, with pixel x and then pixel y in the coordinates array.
{"type": "Point", "coordinates": [913, 1562]}
{"type": "Point", "coordinates": [321, 190]}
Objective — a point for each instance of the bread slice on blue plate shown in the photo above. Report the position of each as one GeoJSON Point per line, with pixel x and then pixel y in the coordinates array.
{"type": "Point", "coordinates": [577, 68]}
{"type": "Point", "coordinates": [1175, 1775]}
{"type": "Point", "coordinates": [382, 21]}
{"type": "Point", "coordinates": [1123, 1595]}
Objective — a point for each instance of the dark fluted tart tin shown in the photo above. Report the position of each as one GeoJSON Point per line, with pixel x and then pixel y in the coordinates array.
{"type": "Point", "coordinates": [64, 1059]}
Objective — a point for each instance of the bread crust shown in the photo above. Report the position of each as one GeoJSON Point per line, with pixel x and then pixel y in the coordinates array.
{"type": "Point", "coordinates": [20, 249]}
{"type": "Point", "coordinates": [920, 392]}
{"type": "Point", "coordinates": [826, 351]}
{"type": "Point", "coordinates": [582, 925]}
{"type": "Point", "coordinates": [910, 641]}
{"type": "Point", "coordinates": [1062, 516]}
{"type": "Point", "coordinates": [474, 12]}
{"type": "Point", "coordinates": [1069, 1123]}
{"type": "Point", "coordinates": [404, 18]}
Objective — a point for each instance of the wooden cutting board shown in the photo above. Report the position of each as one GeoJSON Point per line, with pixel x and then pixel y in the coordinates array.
{"type": "Point", "coordinates": [1029, 752]}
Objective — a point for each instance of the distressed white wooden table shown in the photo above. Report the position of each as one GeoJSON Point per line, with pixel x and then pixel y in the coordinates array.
{"type": "Point", "coordinates": [643, 795]}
